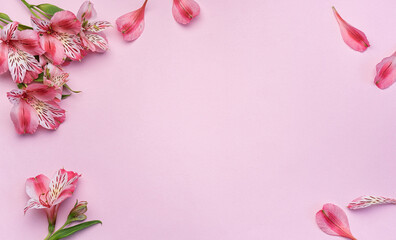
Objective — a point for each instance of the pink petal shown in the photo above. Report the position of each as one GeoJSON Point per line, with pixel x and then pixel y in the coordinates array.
{"type": "Point", "coordinates": [131, 25]}
{"type": "Point", "coordinates": [54, 76]}
{"type": "Point", "coordinates": [367, 201]}
{"type": "Point", "coordinates": [353, 37]}
{"type": "Point", "coordinates": [8, 32]}
{"type": "Point", "coordinates": [49, 113]}
{"type": "Point", "coordinates": [185, 10]}
{"type": "Point", "coordinates": [24, 118]}
{"type": "Point", "coordinates": [65, 22]}
{"type": "Point", "coordinates": [386, 72]}
{"type": "Point", "coordinates": [86, 11]}
{"type": "Point", "coordinates": [72, 46]}
{"type": "Point", "coordinates": [28, 41]}
{"type": "Point", "coordinates": [41, 92]}
{"type": "Point", "coordinates": [53, 48]}
{"type": "Point", "coordinates": [3, 57]}
{"type": "Point", "coordinates": [36, 186]}
{"type": "Point", "coordinates": [40, 25]}
{"type": "Point", "coordinates": [32, 203]}
{"type": "Point", "coordinates": [30, 76]}
{"type": "Point", "coordinates": [99, 42]}
{"type": "Point", "coordinates": [333, 221]}
{"type": "Point", "coordinates": [97, 26]}
{"type": "Point", "coordinates": [62, 186]}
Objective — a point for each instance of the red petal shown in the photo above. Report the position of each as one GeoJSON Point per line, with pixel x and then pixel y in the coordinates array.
{"type": "Point", "coordinates": [36, 186]}
{"type": "Point", "coordinates": [53, 48]}
{"type": "Point", "coordinates": [131, 25]}
{"type": "Point", "coordinates": [333, 221]}
{"type": "Point", "coordinates": [386, 72]}
{"type": "Point", "coordinates": [353, 37]}
{"type": "Point", "coordinates": [65, 22]}
{"type": "Point", "coordinates": [42, 92]}
{"type": "Point", "coordinates": [185, 10]}
{"type": "Point", "coordinates": [24, 117]}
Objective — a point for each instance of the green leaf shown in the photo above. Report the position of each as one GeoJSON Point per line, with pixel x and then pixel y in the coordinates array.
{"type": "Point", "coordinates": [5, 17]}
{"type": "Point", "coordinates": [21, 85]}
{"type": "Point", "coordinates": [49, 8]}
{"type": "Point", "coordinates": [64, 96]}
{"type": "Point", "coordinates": [71, 230]}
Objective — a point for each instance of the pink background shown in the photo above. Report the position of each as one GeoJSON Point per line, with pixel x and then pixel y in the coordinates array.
{"type": "Point", "coordinates": [238, 126]}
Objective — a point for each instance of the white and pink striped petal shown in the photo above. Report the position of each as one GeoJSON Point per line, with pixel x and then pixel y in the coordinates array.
{"type": "Point", "coordinates": [8, 32]}
{"type": "Point", "coordinates": [72, 46]}
{"type": "Point", "coordinates": [40, 25]}
{"type": "Point", "coordinates": [49, 114]}
{"type": "Point", "coordinates": [367, 201]}
{"type": "Point", "coordinates": [97, 26]}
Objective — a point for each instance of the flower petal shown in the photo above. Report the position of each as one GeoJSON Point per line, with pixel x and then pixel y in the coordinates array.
{"type": "Point", "coordinates": [185, 10]}
{"type": "Point", "coordinates": [42, 92]}
{"type": "Point", "coordinates": [65, 22]}
{"type": "Point", "coordinates": [367, 201]}
{"type": "Point", "coordinates": [37, 186]}
{"type": "Point", "coordinates": [32, 203]}
{"type": "Point", "coordinates": [40, 25]}
{"type": "Point", "coordinates": [62, 186]}
{"type": "Point", "coordinates": [333, 221]}
{"type": "Point", "coordinates": [54, 76]}
{"type": "Point", "coordinates": [353, 37]}
{"type": "Point", "coordinates": [3, 57]}
{"type": "Point", "coordinates": [50, 115]}
{"type": "Point", "coordinates": [86, 11]}
{"type": "Point", "coordinates": [54, 49]}
{"type": "Point", "coordinates": [19, 62]}
{"type": "Point", "coordinates": [8, 32]}
{"type": "Point", "coordinates": [131, 25]}
{"type": "Point", "coordinates": [386, 72]}
{"type": "Point", "coordinates": [28, 41]}
{"type": "Point", "coordinates": [24, 118]}
{"type": "Point", "coordinates": [99, 42]}
{"type": "Point", "coordinates": [72, 46]}
{"type": "Point", "coordinates": [97, 26]}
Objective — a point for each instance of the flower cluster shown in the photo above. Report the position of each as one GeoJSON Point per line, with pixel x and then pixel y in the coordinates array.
{"type": "Point", "coordinates": [35, 55]}
{"type": "Point", "coordinates": [47, 194]}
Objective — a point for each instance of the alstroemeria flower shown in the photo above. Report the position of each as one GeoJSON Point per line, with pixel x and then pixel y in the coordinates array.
{"type": "Point", "coordinates": [353, 37]}
{"type": "Point", "coordinates": [36, 105]}
{"type": "Point", "coordinates": [131, 25]}
{"type": "Point", "coordinates": [16, 53]}
{"type": "Point", "coordinates": [58, 36]}
{"type": "Point", "coordinates": [54, 76]}
{"type": "Point", "coordinates": [185, 10]}
{"type": "Point", "coordinates": [48, 193]}
{"type": "Point", "coordinates": [386, 72]}
{"type": "Point", "coordinates": [91, 36]}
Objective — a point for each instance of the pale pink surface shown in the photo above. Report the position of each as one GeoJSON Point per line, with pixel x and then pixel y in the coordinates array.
{"type": "Point", "coordinates": [239, 126]}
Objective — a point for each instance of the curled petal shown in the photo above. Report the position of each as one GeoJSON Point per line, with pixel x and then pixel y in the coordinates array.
{"type": "Point", "coordinates": [367, 201]}
{"type": "Point", "coordinates": [3, 57]}
{"type": "Point", "coordinates": [24, 118]}
{"type": "Point", "coordinates": [333, 221]}
{"type": "Point", "coordinates": [33, 203]}
{"type": "Point", "coordinates": [386, 72]}
{"type": "Point", "coordinates": [28, 41]}
{"type": "Point", "coordinates": [40, 25]}
{"type": "Point", "coordinates": [36, 186]}
{"type": "Point", "coordinates": [86, 11]}
{"type": "Point", "coordinates": [54, 49]}
{"type": "Point", "coordinates": [8, 32]}
{"type": "Point", "coordinates": [65, 22]}
{"type": "Point", "coordinates": [131, 25]}
{"type": "Point", "coordinates": [353, 37]}
{"type": "Point", "coordinates": [185, 10]}
{"type": "Point", "coordinates": [97, 26]}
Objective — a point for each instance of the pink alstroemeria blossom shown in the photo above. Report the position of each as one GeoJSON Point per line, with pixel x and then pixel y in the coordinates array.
{"type": "Point", "coordinates": [386, 72]}
{"type": "Point", "coordinates": [367, 201]}
{"type": "Point", "coordinates": [48, 193]}
{"type": "Point", "coordinates": [131, 25]}
{"type": "Point", "coordinates": [353, 37]}
{"type": "Point", "coordinates": [185, 10]}
{"type": "Point", "coordinates": [333, 221]}
{"type": "Point", "coordinates": [54, 76]}
{"type": "Point", "coordinates": [17, 50]}
{"type": "Point", "coordinates": [36, 105]}
{"type": "Point", "coordinates": [91, 34]}
{"type": "Point", "coordinates": [58, 36]}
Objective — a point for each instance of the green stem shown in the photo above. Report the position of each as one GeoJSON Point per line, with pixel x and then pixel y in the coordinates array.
{"type": "Point", "coordinates": [29, 6]}
{"type": "Point", "coordinates": [3, 21]}
{"type": "Point", "coordinates": [71, 90]}
{"type": "Point", "coordinates": [26, 4]}
{"type": "Point", "coordinates": [41, 12]}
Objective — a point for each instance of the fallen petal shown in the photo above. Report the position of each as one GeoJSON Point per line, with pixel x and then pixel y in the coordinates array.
{"type": "Point", "coordinates": [386, 72]}
{"type": "Point", "coordinates": [367, 201]}
{"type": "Point", "coordinates": [185, 10]}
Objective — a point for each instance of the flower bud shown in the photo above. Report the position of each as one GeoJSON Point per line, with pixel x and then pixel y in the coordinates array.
{"type": "Point", "coordinates": [77, 213]}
